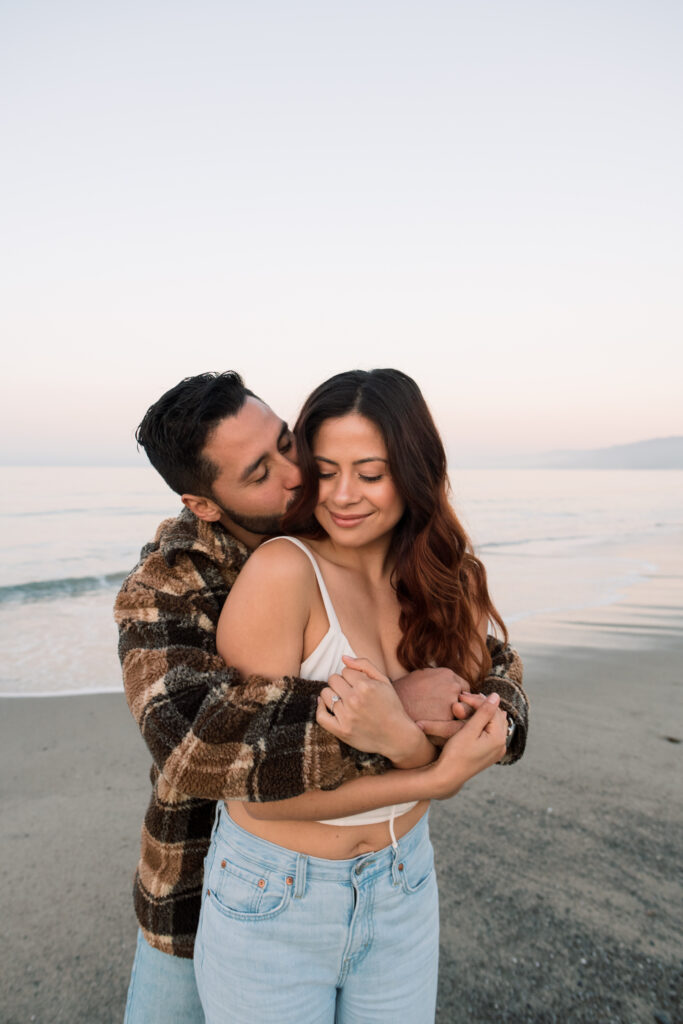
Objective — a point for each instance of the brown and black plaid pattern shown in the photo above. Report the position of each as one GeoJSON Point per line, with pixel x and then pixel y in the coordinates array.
{"type": "Point", "coordinates": [214, 735]}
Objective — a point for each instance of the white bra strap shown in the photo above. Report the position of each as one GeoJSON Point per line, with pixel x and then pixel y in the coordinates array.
{"type": "Point", "coordinates": [327, 600]}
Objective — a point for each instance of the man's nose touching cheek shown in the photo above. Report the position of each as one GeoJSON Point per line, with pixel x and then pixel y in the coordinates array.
{"type": "Point", "coordinates": [293, 476]}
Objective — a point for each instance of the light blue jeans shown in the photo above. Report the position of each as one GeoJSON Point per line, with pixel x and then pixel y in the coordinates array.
{"type": "Point", "coordinates": [291, 939]}
{"type": "Point", "coordinates": [162, 989]}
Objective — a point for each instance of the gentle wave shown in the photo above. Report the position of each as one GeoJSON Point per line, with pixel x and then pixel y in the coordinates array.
{"type": "Point", "coordinates": [85, 692]}
{"type": "Point", "coordinates": [491, 544]}
{"type": "Point", "coordinates": [50, 590]}
{"type": "Point", "coordinates": [90, 510]}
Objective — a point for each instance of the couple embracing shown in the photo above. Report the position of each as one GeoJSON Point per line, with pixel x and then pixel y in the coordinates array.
{"type": "Point", "coordinates": [306, 652]}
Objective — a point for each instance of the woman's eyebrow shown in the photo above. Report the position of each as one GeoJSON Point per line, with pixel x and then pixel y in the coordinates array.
{"type": "Point", "coordinates": [357, 462]}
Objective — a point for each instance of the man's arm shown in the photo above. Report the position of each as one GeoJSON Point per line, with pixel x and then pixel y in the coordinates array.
{"type": "Point", "coordinates": [505, 677]}
{"type": "Point", "coordinates": [211, 733]}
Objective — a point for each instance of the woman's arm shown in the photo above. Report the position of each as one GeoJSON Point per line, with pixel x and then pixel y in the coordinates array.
{"type": "Point", "coordinates": [395, 786]}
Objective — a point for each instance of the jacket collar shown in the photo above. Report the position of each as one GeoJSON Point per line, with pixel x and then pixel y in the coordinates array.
{"type": "Point", "coordinates": [186, 533]}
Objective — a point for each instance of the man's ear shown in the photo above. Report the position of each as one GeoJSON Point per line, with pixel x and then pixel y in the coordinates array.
{"type": "Point", "coordinates": [202, 508]}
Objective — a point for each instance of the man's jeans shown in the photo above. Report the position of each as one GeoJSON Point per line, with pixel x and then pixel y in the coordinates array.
{"type": "Point", "coordinates": [162, 989]}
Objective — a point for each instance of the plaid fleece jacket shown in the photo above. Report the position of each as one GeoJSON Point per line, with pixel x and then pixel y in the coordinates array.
{"type": "Point", "coordinates": [214, 735]}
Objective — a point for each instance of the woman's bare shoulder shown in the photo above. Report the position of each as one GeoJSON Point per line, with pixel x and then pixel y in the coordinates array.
{"type": "Point", "coordinates": [280, 559]}
{"type": "Point", "coordinates": [270, 598]}
{"type": "Point", "coordinates": [275, 570]}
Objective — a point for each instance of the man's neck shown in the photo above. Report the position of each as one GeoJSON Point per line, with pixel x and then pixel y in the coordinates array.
{"type": "Point", "coordinates": [249, 539]}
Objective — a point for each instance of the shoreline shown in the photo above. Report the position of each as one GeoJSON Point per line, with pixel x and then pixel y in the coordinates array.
{"type": "Point", "coordinates": [635, 608]}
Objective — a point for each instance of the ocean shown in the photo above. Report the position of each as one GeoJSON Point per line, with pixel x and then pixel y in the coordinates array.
{"type": "Point", "coordinates": [552, 541]}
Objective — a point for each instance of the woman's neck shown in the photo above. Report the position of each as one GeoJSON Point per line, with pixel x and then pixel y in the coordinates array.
{"type": "Point", "coordinates": [374, 561]}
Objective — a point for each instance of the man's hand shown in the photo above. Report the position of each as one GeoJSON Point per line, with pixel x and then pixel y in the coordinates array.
{"type": "Point", "coordinates": [431, 696]}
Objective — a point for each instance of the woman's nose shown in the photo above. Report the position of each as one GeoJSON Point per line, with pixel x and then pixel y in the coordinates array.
{"type": "Point", "coordinates": [346, 491]}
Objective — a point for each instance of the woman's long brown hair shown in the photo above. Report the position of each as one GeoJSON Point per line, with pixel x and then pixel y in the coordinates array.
{"type": "Point", "coordinates": [440, 583]}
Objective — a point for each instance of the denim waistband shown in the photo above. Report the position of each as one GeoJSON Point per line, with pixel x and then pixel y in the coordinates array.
{"type": "Point", "coordinates": [279, 858]}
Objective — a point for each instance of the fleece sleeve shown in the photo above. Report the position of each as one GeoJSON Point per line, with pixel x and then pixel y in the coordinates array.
{"type": "Point", "coordinates": [211, 733]}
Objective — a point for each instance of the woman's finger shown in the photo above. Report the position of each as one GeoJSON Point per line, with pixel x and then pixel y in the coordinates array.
{"type": "Point", "coordinates": [498, 726]}
{"type": "Point", "coordinates": [339, 685]}
{"type": "Point", "coordinates": [483, 716]}
{"type": "Point", "coordinates": [473, 700]}
{"type": "Point", "coordinates": [355, 678]}
{"type": "Point", "coordinates": [326, 719]}
{"type": "Point", "coordinates": [331, 699]}
{"type": "Point", "coordinates": [365, 666]}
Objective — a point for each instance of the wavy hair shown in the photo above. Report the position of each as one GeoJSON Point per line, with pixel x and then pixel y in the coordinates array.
{"type": "Point", "coordinates": [440, 584]}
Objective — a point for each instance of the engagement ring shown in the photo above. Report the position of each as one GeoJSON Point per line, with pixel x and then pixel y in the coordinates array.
{"type": "Point", "coordinates": [335, 698]}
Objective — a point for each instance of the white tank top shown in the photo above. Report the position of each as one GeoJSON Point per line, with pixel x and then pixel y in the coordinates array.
{"type": "Point", "coordinates": [322, 663]}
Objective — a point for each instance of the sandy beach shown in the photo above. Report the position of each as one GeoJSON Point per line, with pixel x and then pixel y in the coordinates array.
{"type": "Point", "coordinates": [559, 877]}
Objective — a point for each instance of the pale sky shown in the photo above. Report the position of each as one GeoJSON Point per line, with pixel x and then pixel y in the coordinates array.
{"type": "Point", "coordinates": [484, 194]}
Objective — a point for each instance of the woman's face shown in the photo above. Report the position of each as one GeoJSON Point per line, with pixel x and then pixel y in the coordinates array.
{"type": "Point", "coordinates": [357, 499]}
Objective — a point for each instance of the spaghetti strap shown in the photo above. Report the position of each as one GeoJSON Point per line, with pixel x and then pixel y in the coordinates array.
{"type": "Point", "coordinates": [327, 600]}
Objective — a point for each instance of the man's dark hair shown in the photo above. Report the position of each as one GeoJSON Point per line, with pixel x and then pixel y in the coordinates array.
{"type": "Point", "coordinates": [176, 428]}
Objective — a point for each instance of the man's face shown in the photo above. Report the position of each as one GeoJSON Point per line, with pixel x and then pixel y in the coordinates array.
{"type": "Point", "coordinates": [258, 474]}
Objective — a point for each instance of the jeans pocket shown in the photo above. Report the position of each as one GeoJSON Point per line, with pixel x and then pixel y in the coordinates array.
{"type": "Point", "coordinates": [244, 894]}
{"type": "Point", "coordinates": [418, 870]}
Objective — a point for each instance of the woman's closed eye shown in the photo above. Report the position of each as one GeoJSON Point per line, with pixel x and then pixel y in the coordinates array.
{"type": "Point", "coordinates": [361, 476]}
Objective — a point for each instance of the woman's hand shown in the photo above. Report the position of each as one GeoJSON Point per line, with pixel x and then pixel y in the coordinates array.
{"type": "Point", "coordinates": [361, 707]}
{"type": "Point", "coordinates": [479, 744]}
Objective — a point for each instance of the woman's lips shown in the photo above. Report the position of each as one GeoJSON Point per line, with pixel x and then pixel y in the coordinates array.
{"type": "Point", "coordinates": [347, 521]}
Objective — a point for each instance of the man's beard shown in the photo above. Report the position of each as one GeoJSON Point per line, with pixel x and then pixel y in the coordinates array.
{"type": "Point", "coordinates": [264, 525]}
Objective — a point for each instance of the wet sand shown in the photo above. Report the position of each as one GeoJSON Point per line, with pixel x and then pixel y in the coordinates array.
{"type": "Point", "coordinates": [559, 877]}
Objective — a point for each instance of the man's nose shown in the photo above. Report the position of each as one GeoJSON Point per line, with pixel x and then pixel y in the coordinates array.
{"type": "Point", "coordinates": [292, 476]}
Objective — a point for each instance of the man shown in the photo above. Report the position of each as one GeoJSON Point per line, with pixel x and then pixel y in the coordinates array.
{"type": "Point", "coordinates": [212, 734]}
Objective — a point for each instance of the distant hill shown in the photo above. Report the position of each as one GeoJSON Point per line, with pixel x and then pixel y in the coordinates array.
{"type": "Point", "coordinates": [659, 453]}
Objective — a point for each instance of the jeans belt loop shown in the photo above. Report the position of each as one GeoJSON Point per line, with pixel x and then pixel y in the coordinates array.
{"type": "Point", "coordinates": [217, 816]}
{"type": "Point", "coordinates": [300, 878]}
{"type": "Point", "coordinates": [395, 860]}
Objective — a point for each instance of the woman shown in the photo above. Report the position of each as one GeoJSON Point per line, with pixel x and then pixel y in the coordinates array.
{"type": "Point", "coordinates": [324, 907]}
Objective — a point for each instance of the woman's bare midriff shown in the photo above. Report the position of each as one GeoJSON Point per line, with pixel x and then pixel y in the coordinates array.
{"type": "Point", "coordinates": [331, 842]}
